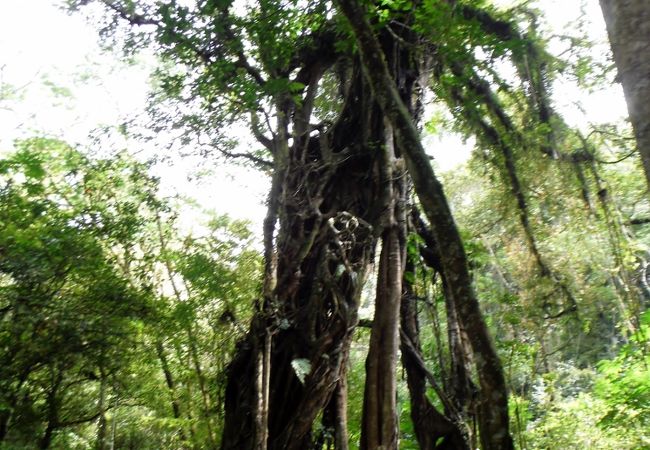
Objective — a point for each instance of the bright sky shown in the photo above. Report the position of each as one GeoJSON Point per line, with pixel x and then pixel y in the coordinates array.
{"type": "Point", "coordinates": [43, 46]}
{"type": "Point", "coordinates": [40, 44]}
{"type": "Point", "coordinates": [68, 87]}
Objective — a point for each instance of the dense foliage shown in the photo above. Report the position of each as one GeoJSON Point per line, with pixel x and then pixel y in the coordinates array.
{"type": "Point", "coordinates": [121, 329]}
{"type": "Point", "coordinates": [114, 325]}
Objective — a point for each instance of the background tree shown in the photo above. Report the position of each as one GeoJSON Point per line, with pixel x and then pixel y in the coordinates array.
{"type": "Point", "coordinates": [66, 314]}
{"type": "Point", "coordinates": [628, 26]}
{"type": "Point", "coordinates": [91, 334]}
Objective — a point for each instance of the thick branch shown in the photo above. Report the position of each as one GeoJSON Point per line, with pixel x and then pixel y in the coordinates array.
{"type": "Point", "coordinates": [205, 55]}
{"type": "Point", "coordinates": [639, 221]}
{"type": "Point", "coordinates": [494, 423]}
{"type": "Point", "coordinates": [132, 18]}
{"type": "Point", "coordinates": [263, 163]}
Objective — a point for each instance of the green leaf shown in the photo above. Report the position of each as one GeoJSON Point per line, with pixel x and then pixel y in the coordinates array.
{"type": "Point", "coordinates": [409, 277]}
{"type": "Point", "coordinates": [302, 368]}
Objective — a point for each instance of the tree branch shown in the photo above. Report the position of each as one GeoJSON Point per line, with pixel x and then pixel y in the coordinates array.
{"type": "Point", "coordinates": [639, 221]}
{"type": "Point", "coordinates": [494, 409]}
{"type": "Point", "coordinates": [132, 18]}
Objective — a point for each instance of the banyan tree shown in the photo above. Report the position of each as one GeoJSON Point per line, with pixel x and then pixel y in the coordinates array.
{"type": "Point", "coordinates": [335, 95]}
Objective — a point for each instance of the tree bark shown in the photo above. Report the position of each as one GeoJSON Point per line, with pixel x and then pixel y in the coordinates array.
{"type": "Point", "coordinates": [379, 427]}
{"type": "Point", "coordinates": [101, 406]}
{"type": "Point", "coordinates": [628, 27]}
{"type": "Point", "coordinates": [494, 426]}
{"type": "Point", "coordinates": [433, 430]}
{"type": "Point", "coordinates": [335, 417]}
{"type": "Point", "coordinates": [327, 210]}
{"type": "Point", "coordinates": [171, 386]}
{"type": "Point", "coordinates": [379, 424]}
{"type": "Point", "coordinates": [461, 386]}
{"type": "Point", "coordinates": [52, 402]}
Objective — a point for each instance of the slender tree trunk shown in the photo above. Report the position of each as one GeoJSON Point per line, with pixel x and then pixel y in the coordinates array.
{"type": "Point", "coordinates": [380, 425]}
{"type": "Point", "coordinates": [335, 417]}
{"type": "Point", "coordinates": [262, 385]}
{"type": "Point", "coordinates": [627, 295]}
{"type": "Point", "coordinates": [205, 396]}
{"type": "Point", "coordinates": [433, 430]}
{"type": "Point", "coordinates": [101, 405]}
{"type": "Point", "coordinates": [628, 26]}
{"type": "Point", "coordinates": [341, 414]}
{"type": "Point", "coordinates": [191, 340]}
{"type": "Point", "coordinates": [171, 386]}
{"type": "Point", "coordinates": [4, 424]}
{"type": "Point", "coordinates": [460, 386]}
{"type": "Point", "coordinates": [113, 431]}
{"type": "Point", "coordinates": [52, 408]}
{"type": "Point", "coordinates": [46, 440]}
{"type": "Point", "coordinates": [494, 426]}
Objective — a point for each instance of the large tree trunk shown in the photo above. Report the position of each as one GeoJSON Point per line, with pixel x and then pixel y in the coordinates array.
{"type": "Point", "coordinates": [340, 191]}
{"type": "Point", "coordinates": [494, 426]}
{"type": "Point", "coordinates": [380, 426]}
{"type": "Point", "coordinates": [328, 206]}
{"type": "Point", "coordinates": [628, 26]}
